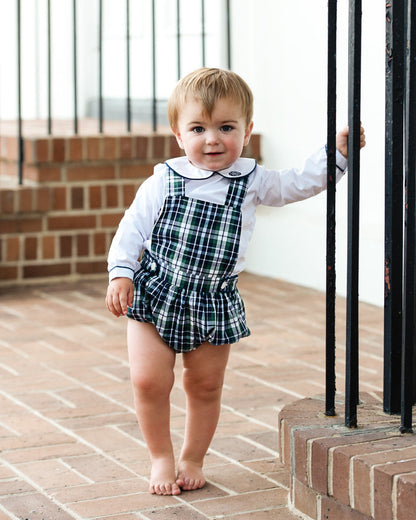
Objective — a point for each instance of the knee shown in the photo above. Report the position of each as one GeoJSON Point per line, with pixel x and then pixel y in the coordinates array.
{"type": "Point", "coordinates": [151, 386]}
{"type": "Point", "coordinates": [206, 388]}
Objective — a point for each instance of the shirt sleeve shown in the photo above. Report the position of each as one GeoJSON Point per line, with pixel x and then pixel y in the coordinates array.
{"type": "Point", "coordinates": [136, 226]}
{"type": "Point", "coordinates": [278, 188]}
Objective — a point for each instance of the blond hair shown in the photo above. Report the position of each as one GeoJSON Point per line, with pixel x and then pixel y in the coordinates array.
{"type": "Point", "coordinates": [208, 85]}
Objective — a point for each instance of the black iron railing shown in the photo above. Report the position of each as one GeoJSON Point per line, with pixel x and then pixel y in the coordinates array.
{"type": "Point", "coordinates": [100, 98]}
{"type": "Point", "coordinates": [400, 212]}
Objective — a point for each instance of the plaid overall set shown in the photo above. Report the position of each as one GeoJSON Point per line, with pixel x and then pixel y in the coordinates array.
{"type": "Point", "coordinates": [185, 286]}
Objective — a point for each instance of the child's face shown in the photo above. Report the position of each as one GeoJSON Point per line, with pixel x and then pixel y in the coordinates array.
{"type": "Point", "coordinates": [212, 142]}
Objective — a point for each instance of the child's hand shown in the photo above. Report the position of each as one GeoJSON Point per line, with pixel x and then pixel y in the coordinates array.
{"type": "Point", "coordinates": [119, 296]}
{"type": "Point", "coordinates": [342, 140]}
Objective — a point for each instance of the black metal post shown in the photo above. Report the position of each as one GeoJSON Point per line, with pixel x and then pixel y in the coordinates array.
{"type": "Point", "coordinates": [49, 71]}
{"type": "Point", "coordinates": [354, 105]}
{"type": "Point", "coordinates": [154, 99]}
{"type": "Point", "coordinates": [128, 96]}
{"type": "Point", "coordinates": [409, 313]}
{"type": "Point", "coordinates": [330, 213]}
{"type": "Point", "coordinates": [393, 204]}
{"type": "Point", "coordinates": [203, 35]}
{"type": "Point", "coordinates": [74, 14]}
{"type": "Point", "coordinates": [100, 66]}
{"type": "Point", "coordinates": [19, 96]}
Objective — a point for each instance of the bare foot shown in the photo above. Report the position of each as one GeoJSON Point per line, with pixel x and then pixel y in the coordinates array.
{"type": "Point", "coordinates": [190, 475]}
{"type": "Point", "coordinates": [162, 477]}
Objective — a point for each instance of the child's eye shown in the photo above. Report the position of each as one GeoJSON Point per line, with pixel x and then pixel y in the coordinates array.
{"type": "Point", "coordinates": [226, 128]}
{"type": "Point", "coordinates": [198, 129]}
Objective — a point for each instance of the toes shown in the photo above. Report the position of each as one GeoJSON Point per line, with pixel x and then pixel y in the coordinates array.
{"type": "Point", "coordinates": [164, 488]}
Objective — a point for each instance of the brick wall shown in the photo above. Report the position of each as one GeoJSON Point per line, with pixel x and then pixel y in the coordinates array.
{"type": "Point", "coordinates": [61, 221]}
{"type": "Point", "coordinates": [364, 473]}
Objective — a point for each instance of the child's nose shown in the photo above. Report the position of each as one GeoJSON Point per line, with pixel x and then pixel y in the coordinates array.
{"type": "Point", "coordinates": [211, 137]}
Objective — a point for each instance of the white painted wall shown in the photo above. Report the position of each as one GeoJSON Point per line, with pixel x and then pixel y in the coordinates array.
{"type": "Point", "coordinates": [280, 49]}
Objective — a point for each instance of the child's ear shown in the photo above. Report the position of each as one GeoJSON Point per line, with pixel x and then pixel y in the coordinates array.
{"type": "Point", "coordinates": [178, 139]}
{"type": "Point", "coordinates": [247, 134]}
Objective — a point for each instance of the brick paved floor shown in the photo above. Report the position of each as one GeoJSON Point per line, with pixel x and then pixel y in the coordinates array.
{"type": "Point", "coordinates": [69, 443]}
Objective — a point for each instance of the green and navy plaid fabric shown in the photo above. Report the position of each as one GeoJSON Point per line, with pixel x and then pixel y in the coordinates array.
{"type": "Point", "coordinates": [185, 285]}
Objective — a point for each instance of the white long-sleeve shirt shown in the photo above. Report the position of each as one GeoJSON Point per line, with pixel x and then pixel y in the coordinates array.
{"type": "Point", "coordinates": [267, 187]}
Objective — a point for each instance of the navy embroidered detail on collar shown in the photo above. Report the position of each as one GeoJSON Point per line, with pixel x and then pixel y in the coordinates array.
{"type": "Point", "coordinates": [181, 165]}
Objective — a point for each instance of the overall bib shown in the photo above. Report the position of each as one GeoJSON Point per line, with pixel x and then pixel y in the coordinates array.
{"type": "Point", "coordinates": [185, 285]}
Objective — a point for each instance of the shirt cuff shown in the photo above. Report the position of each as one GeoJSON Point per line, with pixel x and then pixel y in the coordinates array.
{"type": "Point", "coordinates": [342, 162]}
{"type": "Point", "coordinates": [121, 272]}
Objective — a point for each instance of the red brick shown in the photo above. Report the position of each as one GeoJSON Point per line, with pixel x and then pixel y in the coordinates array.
{"type": "Point", "coordinates": [43, 199]}
{"type": "Point", "coordinates": [77, 197]}
{"type": "Point", "coordinates": [8, 272]}
{"type": "Point", "coordinates": [59, 199]}
{"type": "Point", "coordinates": [158, 146]}
{"type": "Point", "coordinates": [126, 147]}
{"type": "Point", "coordinates": [21, 225]}
{"type": "Point", "coordinates": [142, 144]}
{"type": "Point", "coordinates": [48, 247]}
{"type": "Point", "coordinates": [11, 151]}
{"type": "Point", "coordinates": [44, 174]}
{"type": "Point", "coordinates": [58, 149]}
{"type": "Point", "coordinates": [83, 245]}
{"type": "Point", "coordinates": [136, 171]}
{"type": "Point", "coordinates": [363, 464]}
{"type": "Point", "coordinates": [342, 457]}
{"type": "Point", "coordinates": [92, 267]}
{"type": "Point", "coordinates": [47, 270]}
{"type": "Point", "coordinates": [93, 148]}
{"type": "Point", "coordinates": [75, 145]}
{"type": "Point", "coordinates": [7, 198]}
{"type": "Point", "coordinates": [31, 246]}
{"type": "Point", "coordinates": [65, 246]}
{"type": "Point", "coordinates": [174, 150]}
{"type": "Point", "coordinates": [13, 249]}
{"type": "Point", "coordinates": [88, 173]}
{"type": "Point", "coordinates": [111, 220]}
{"type": "Point", "coordinates": [100, 246]}
{"type": "Point", "coordinates": [95, 197]}
{"type": "Point", "coordinates": [111, 192]}
{"type": "Point", "coordinates": [41, 147]}
{"type": "Point", "coordinates": [406, 497]}
{"type": "Point", "coordinates": [305, 499]}
{"type": "Point", "coordinates": [383, 486]}
{"type": "Point", "coordinates": [67, 222]}
{"type": "Point", "coordinates": [29, 150]}
{"type": "Point", "coordinates": [333, 510]}
{"type": "Point", "coordinates": [109, 148]}
{"type": "Point", "coordinates": [129, 192]}
{"type": "Point", "coordinates": [25, 200]}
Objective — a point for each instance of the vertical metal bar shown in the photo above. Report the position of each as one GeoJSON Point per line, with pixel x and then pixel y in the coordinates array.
{"type": "Point", "coordinates": [330, 213]}
{"type": "Point", "coordinates": [74, 15]}
{"type": "Point", "coordinates": [410, 230]}
{"type": "Point", "coordinates": [228, 15]}
{"type": "Point", "coordinates": [154, 100]}
{"type": "Point", "coordinates": [393, 205]}
{"type": "Point", "coordinates": [128, 98]}
{"type": "Point", "coordinates": [178, 38]}
{"type": "Point", "coordinates": [100, 66]}
{"type": "Point", "coordinates": [19, 96]}
{"type": "Point", "coordinates": [49, 71]}
{"type": "Point", "coordinates": [203, 35]}
{"type": "Point", "coordinates": [354, 105]}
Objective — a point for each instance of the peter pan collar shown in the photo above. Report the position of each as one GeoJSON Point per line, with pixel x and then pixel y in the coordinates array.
{"type": "Point", "coordinates": [184, 168]}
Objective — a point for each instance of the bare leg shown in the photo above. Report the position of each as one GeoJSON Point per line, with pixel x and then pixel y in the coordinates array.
{"type": "Point", "coordinates": [203, 378]}
{"type": "Point", "coordinates": [151, 369]}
